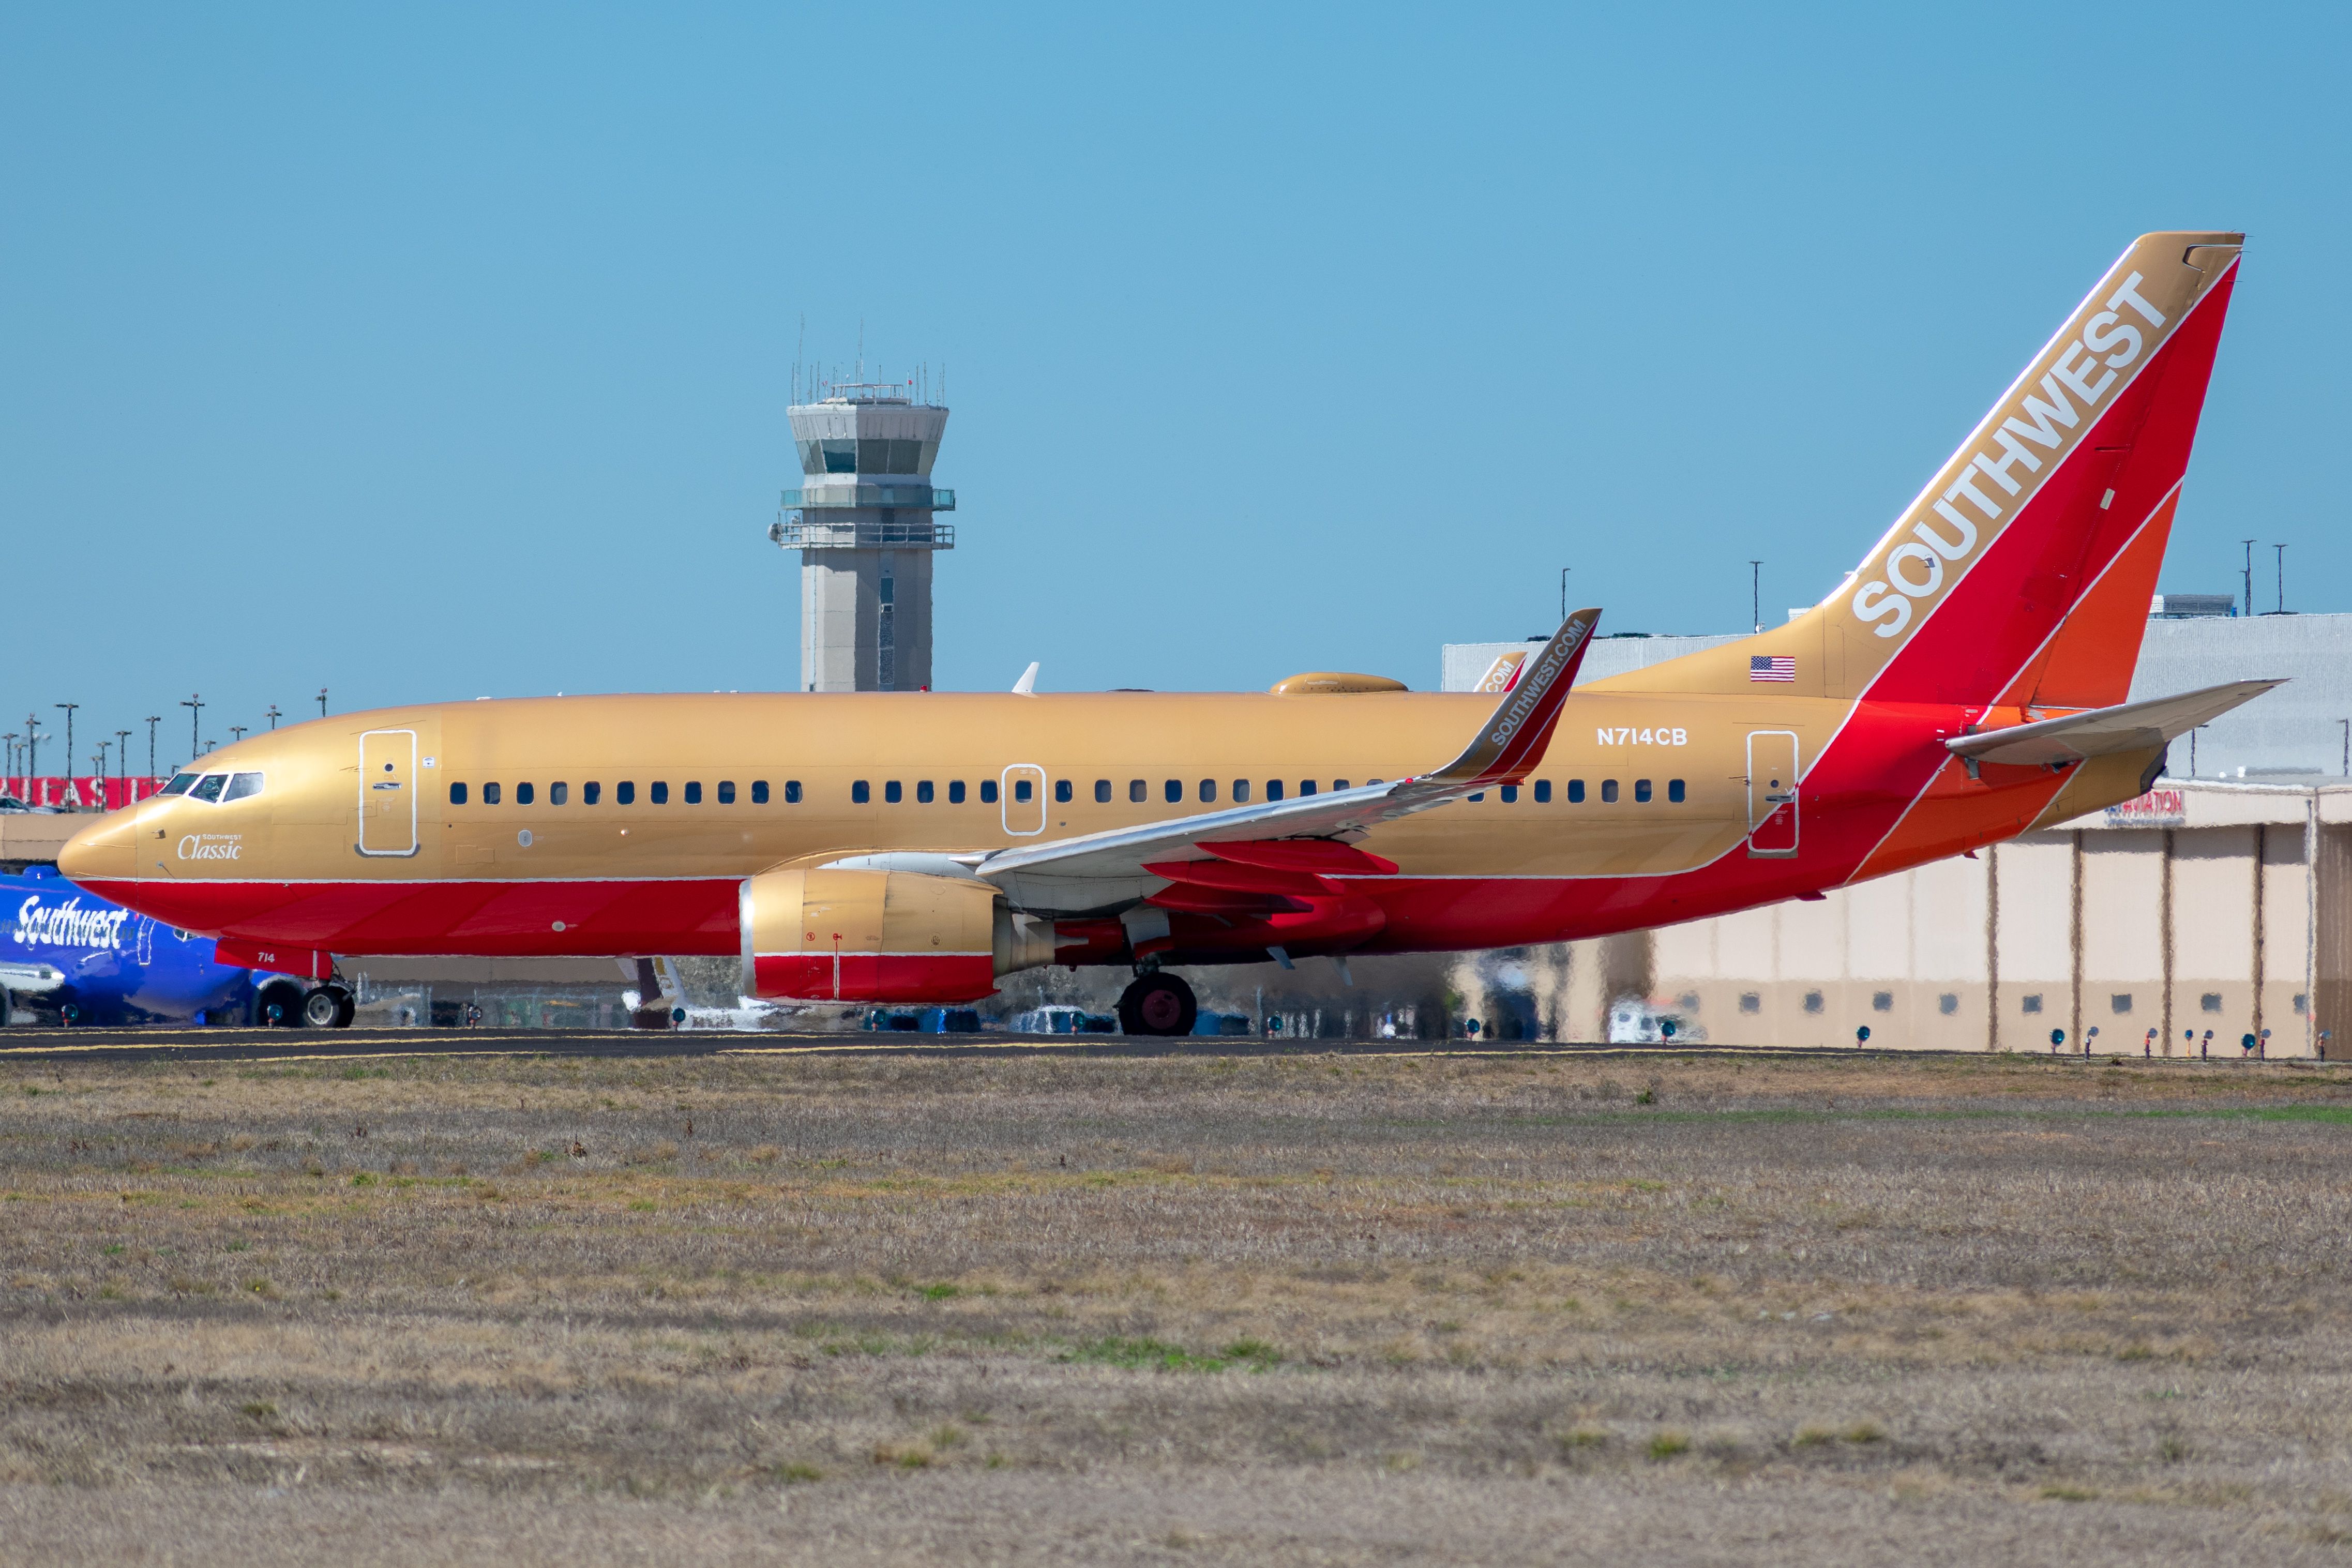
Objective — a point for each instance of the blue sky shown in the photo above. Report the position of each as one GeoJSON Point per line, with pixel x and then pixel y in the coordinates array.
{"type": "Point", "coordinates": [428, 352]}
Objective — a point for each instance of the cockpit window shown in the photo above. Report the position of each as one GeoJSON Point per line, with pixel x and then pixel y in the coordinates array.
{"type": "Point", "coordinates": [209, 788]}
{"type": "Point", "coordinates": [241, 785]}
{"type": "Point", "coordinates": [179, 785]}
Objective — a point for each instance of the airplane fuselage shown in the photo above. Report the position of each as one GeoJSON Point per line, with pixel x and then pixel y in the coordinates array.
{"type": "Point", "coordinates": [622, 824]}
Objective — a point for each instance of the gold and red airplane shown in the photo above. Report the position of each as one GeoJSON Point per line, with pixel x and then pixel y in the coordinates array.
{"type": "Point", "coordinates": [1965, 684]}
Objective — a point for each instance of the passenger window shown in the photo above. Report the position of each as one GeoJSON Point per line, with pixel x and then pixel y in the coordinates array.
{"type": "Point", "coordinates": [1023, 790]}
{"type": "Point", "coordinates": [892, 794]}
{"type": "Point", "coordinates": [1480, 795]}
{"type": "Point", "coordinates": [558, 793]}
{"type": "Point", "coordinates": [1274, 789]}
{"type": "Point", "coordinates": [660, 792]}
{"type": "Point", "coordinates": [694, 792]}
{"type": "Point", "coordinates": [1062, 791]}
{"type": "Point", "coordinates": [1174, 790]}
{"type": "Point", "coordinates": [1642, 791]}
{"type": "Point", "coordinates": [1576, 792]}
{"type": "Point", "coordinates": [1338, 784]}
{"type": "Point", "coordinates": [490, 794]}
{"type": "Point", "coordinates": [522, 795]}
{"type": "Point", "coordinates": [988, 792]}
{"type": "Point", "coordinates": [1137, 791]}
{"type": "Point", "coordinates": [458, 794]}
{"type": "Point", "coordinates": [1543, 791]}
{"type": "Point", "coordinates": [625, 793]}
{"type": "Point", "coordinates": [955, 791]}
{"type": "Point", "coordinates": [241, 785]}
{"type": "Point", "coordinates": [209, 788]}
{"type": "Point", "coordinates": [922, 791]}
{"type": "Point", "coordinates": [792, 792]}
{"type": "Point", "coordinates": [179, 785]}
{"type": "Point", "coordinates": [1674, 791]}
{"type": "Point", "coordinates": [1306, 786]}
{"type": "Point", "coordinates": [1240, 792]}
{"type": "Point", "coordinates": [758, 792]}
{"type": "Point", "coordinates": [1510, 795]}
{"type": "Point", "coordinates": [590, 792]}
{"type": "Point", "coordinates": [727, 792]}
{"type": "Point", "coordinates": [1102, 792]}
{"type": "Point", "coordinates": [1609, 792]}
{"type": "Point", "coordinates": [1209, 791]}
{"type": "Point", "coordinates": [861, 792]}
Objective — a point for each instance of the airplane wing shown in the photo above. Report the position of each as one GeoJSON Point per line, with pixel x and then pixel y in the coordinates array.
{"type": "Point", "coordinates": [30, 979]}
{"type": "Point", "coordinates": [1100, 871]}
{"type": "Point", "coordinates": [2132, 727]}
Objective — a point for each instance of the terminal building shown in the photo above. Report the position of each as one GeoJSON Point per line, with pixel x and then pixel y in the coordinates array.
{"type": "Point", "coordinates": [2217, 906]}
{"type": "Point", "coordinates": [865, 520]}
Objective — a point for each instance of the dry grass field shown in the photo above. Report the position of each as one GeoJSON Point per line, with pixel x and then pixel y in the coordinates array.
{"type": "Point", "coordinates": [1507, 1310]}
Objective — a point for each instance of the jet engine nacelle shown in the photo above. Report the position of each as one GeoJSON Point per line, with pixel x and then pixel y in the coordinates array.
{"type": "Point", "coordinates": [882, 936]}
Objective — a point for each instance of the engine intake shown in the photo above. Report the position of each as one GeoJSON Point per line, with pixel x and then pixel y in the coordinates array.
{"type": "Point", "coordinates": [882, 936]}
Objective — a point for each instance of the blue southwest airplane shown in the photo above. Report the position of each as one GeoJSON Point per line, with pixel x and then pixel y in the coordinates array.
{"type": "Point", "coordinates": [67, 956]}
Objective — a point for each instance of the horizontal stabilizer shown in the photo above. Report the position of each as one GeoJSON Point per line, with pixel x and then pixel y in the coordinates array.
{"type": "Point", "coordinates": [2103, 731]}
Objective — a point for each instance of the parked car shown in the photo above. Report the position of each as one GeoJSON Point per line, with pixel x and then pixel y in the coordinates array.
{"type": "Point", "coordinates": [1637, 1023]}
{"type": "Point", "coordinates": [1060, 1020]}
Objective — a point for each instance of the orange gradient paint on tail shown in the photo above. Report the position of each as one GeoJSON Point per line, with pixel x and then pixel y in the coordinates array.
{"type": "Point", "coordinates": [2089, 663]}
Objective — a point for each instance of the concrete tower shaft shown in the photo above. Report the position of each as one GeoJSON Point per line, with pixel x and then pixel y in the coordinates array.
{"type": "Point", "coordinates": [864, 522]}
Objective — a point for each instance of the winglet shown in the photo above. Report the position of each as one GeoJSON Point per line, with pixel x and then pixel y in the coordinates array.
{"type": "Point", "coordinates": [1027, 685]}
{"type": "Point", "coordinates": [1513, 739]}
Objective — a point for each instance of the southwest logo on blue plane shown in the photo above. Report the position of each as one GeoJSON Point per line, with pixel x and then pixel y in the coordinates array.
{"type": "Point", "coordinates": [69, 956]}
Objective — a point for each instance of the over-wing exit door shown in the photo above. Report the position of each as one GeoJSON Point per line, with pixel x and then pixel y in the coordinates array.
{"type": "Point", "coordinates": [388, 791]}
{"type": "Point", "coordinates": [1771, 793]}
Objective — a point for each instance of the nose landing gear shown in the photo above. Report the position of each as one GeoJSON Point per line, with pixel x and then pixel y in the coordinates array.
{"type": "Point", "coordinates": [1158, 1004]}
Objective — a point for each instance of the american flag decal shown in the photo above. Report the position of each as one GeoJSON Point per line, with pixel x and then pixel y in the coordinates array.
{"type": "Point", "coordinates": [1772, 667]}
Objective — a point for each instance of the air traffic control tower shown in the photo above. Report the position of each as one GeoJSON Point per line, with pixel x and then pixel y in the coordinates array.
{"type": "Point", "coordinates": [863, 521]}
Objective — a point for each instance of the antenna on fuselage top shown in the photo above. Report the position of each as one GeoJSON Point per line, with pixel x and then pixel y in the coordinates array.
{"type": "Point", "coordinates": [1027, 685]}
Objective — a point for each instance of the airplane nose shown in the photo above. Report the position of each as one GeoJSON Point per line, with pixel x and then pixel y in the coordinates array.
{"type": "Point", "coordinates": [105, 851]}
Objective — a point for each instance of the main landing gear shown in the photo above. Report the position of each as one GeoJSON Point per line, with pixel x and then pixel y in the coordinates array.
{"type": "Point", "coordinates": [286, 1003]}
{"type": "Point", "coordinates": [1158, 1004]}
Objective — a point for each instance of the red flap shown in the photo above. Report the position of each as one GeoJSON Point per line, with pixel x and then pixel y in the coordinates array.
{"type": "Point", "coordinates": [1244, 879]}
{"type": "Point", "coordinates": [1223, 900]}
{"type": "Point", "coordinates": [1325, 855]}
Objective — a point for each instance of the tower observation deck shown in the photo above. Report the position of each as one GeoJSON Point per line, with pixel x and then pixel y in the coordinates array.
{"type": "Point", "coordinates": [863, 521]}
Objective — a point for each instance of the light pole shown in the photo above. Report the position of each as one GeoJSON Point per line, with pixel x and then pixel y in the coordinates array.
{"type": "Point", "coordinates": [152, 720]}
{"type": "Point", "coordinates": [236, 733]}
{"type": "Point", "coordinates": [272, 715]}
{"type": "Point", "coordinates": [1563, 591]}
{"type": "Point", "coordinates": [1756, 593]}
{"type": "Point", "coordinates": [70, 708]}
{"type": "Point", "coordinates": [32, 755]}
{"type": "Point", "coordinates": [2249, 575]}
{"type": "Point", "coordinates": [99, 757]}
{"type": "Point", "coordinates": [2281, 577]}
{"type": "Point", "coordinates": [194, 704]}
{"type": "Point", "coordinates": [322, 702]}
{"type": "Point", "coordinates": [122, 762]}
{"type": "Point", "coordinates": [2347, 746]}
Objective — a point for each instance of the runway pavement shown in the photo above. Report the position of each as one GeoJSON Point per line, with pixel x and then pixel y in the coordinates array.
{"type": "Point", "coordinates": [230, 1045]}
